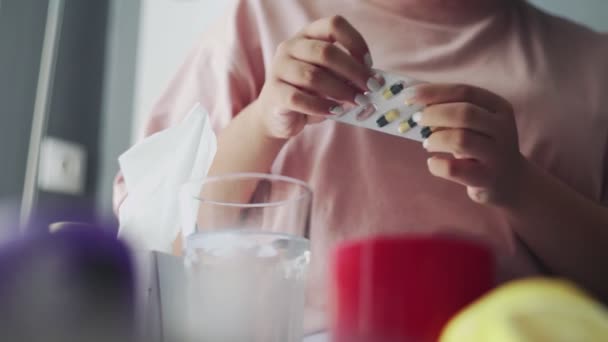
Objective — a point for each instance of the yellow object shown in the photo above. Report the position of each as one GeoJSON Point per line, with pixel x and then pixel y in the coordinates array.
{"type": "Point", "coordinates": [387, 94]}
{"type": "Point", "coordinates": [393, 90]}
{"type": "Point", "coordinates": [391, 115]}
{"type": "Point", "coordinates": [388, 117]}
{"type": "Point", "coordinates": [406, 125]}
{"type": "Point", "coordinates": [531, 310]}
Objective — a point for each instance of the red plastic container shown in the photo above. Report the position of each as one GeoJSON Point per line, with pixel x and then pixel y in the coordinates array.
{"type": "Point", "coordinates": [404, 289]}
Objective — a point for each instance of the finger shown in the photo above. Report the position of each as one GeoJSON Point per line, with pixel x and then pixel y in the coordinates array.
{"type": "Point", "coordinates": [459, 115]}
{"type": "Point", "coordinates": [432, 94]}
{"type": "Point", "coordinates": [315, 119]}
{"type": "Point", "coordinates": [298, 100]}
{"type": "Point", "coordinates": [316, 80]}
{"type": "Point", "coordinates": [331, 57]}
{"type": "Point", "coordinates": [462, 143]}
{"type": "Point", "coordinates": [467, 172]}
{"type": "Point", "coordinates": [336, 29]}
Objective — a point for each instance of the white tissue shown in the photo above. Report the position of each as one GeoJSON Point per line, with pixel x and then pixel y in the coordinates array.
{"type": "Point", "coordinates": [154, 171]}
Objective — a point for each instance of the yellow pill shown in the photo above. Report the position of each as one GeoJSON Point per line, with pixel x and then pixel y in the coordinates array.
{"type": "Point", "coordinates": [392, 115]}
{"type": "Point", "coordinates": [406, 125]}
{"type": "Point", "coordinates": [393, 90]}
{"type": "Point", "coordinates": [388, 117]}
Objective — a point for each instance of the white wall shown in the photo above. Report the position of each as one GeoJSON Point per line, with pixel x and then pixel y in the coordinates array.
{"type": "Point", "coordinates": [593, 13]}
{"type": "Point", "coordinates": [168, 30]}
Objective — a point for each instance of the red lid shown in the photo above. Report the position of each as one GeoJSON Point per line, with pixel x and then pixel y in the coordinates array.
{"type": "Point", "coordinates": [404, 288]}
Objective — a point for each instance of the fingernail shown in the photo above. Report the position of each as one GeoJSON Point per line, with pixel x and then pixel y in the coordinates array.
{"type": "Point", "coordinates": [336, 110]}
{"type": "Point", "coordinates": [361, 100]}
{"type": "Point", "coordinates": [425, 143]}
{"type": "Point", "coordinates": [373, 84]}
{"type": "Point", "coordinates": [410, 94]}
{"type": "Point", "coordinates": [378, 77]}
{"type": "Point", "coordinates": [417, 117]}
{"type": "Point", "coordinates": [366, 112]}
{"type": "Point", "coordinates": [367, 59]}
{"type": "Point", "coordinates": [480, 196]}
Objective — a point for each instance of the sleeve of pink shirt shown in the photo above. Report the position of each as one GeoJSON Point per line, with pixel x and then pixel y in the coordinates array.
{"type": "Point", "coordinates": [224, 73]}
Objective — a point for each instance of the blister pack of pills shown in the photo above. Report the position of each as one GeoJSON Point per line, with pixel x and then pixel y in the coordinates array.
{"type": "Point", "coordinates": [387, 110]}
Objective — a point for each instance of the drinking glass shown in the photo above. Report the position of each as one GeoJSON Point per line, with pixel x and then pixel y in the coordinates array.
{"type": "Point", "coordinates": [246, 256]}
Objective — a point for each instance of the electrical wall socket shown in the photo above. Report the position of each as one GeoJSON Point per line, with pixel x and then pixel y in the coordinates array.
{"type": "Point", "coordinates": [62, 166]}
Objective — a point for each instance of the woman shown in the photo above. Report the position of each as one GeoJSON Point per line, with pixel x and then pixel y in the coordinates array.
{"type": "Point", "coordinates": [518, 95]}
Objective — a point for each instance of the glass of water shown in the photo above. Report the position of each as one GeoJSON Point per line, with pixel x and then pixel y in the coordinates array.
{"type": "Point", "coordinates": [246, 257]}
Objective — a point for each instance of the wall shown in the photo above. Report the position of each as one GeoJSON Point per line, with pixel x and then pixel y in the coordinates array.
{"type": "Point", "coordinates": [76, 100]}
{"type": "Point", "coordinates": [593, 13]}
{"type": "Point", "coordinates": [117, 108]}
{"type": "Point", "coordinates": [22, 24]}
{"type": "Point", "coordinates": [74, 108]}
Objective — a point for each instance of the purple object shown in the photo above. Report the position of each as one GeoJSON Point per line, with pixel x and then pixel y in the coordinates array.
{"type": "Point", "coordinates": [74, 285]}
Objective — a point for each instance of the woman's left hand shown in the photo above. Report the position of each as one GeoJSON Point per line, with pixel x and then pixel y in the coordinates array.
{"type": "Point", "coordinates": [477, 128]}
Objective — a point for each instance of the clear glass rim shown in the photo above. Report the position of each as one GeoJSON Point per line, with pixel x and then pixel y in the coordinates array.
{"type": "Point", "coordinates": [305, 193]}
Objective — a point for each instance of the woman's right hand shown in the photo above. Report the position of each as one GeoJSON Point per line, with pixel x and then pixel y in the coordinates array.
{"type": "Point", "coordinates": [312, 77]}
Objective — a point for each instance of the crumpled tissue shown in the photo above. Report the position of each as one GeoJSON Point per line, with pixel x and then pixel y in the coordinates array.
{"type": "Point", "coordinates": [155, 171]}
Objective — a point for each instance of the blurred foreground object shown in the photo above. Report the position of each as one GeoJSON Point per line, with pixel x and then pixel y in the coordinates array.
{"type": "Point", "coordinates": [74, 285]}
{"type": "Point", "coordinates": [404, 288]}
{"type": "Point", "coordinates": [531, 310]}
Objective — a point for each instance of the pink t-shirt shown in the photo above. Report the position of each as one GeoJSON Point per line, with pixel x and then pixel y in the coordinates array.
{"type": "Point", "coordinates": [554, 72]}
